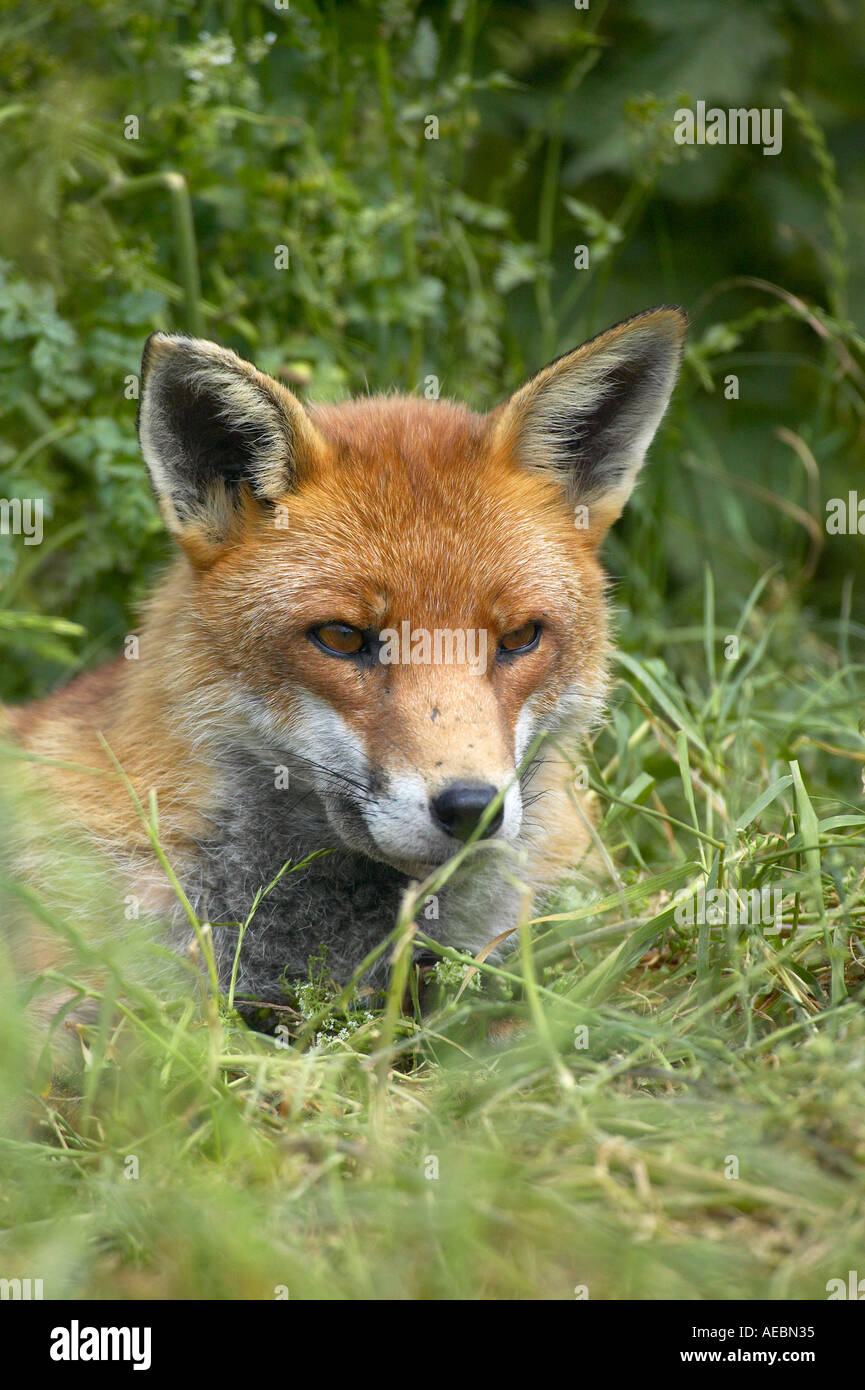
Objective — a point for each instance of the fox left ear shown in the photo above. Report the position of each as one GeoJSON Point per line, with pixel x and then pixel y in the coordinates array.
{"type": "Point", "coordinates": [590, 416]}
{"type": "Point", "coordinates": [216, 435]}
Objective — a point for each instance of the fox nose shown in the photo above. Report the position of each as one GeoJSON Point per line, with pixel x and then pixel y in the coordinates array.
{"type": "Point", "coordinates": [460, 806]}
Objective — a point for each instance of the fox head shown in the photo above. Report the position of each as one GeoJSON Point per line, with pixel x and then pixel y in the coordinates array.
{"type": "Point", "coordinates": [402, 593]}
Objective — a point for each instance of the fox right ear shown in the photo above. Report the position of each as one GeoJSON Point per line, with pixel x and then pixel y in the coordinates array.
{"type": "Point", "coordinates": [213, 430]}
{"type": "Point", "coordinates": [588, 418]}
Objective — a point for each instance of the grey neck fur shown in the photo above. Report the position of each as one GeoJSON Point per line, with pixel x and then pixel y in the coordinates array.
{"type": "Point", "coordinates": [344, 899]}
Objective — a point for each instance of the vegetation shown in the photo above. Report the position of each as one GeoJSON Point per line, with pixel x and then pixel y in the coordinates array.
{"type": "Point", "coordinates": [682, 1111]}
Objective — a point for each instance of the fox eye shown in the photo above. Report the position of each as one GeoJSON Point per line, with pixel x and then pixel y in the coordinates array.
{"type": "Point", "coordinates": [522, 639]}
{"type": "Point", "coordinates": [341, 639]}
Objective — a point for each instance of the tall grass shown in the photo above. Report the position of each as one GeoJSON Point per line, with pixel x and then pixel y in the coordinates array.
{"type": "Point", "coordinates": [680, 1111]}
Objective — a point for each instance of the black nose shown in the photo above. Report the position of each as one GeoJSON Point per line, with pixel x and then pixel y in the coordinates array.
{"type": "Point", "coordinates": [460, 806]}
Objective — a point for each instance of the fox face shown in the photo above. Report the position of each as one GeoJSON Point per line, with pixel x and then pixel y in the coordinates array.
{"type": "Point", "coordinates": [397, 596]}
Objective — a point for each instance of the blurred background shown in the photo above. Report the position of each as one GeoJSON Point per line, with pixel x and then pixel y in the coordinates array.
{"type": "Point", "coordinates": [155, 156]}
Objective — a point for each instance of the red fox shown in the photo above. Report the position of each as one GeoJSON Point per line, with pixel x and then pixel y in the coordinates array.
{"type": "Point", "coordinates": [374, 609]}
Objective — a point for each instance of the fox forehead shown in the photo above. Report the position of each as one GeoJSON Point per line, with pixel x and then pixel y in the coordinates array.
{"type": "Point", "coordinates": [413, 512]}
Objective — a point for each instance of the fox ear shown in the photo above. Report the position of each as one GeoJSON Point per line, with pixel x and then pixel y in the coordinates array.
{"type": "Point", "coordinates": [590, 416]}
{"type": "Point", "coordinates": [210, 425]}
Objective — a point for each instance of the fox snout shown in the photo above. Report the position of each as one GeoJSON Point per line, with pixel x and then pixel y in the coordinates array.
{"type": "Point", "coordinates": [438, 778]}
{"type": "Point", "coordinates": [460, 807]}
{"type": "Point", "coordinates": [415, 828]}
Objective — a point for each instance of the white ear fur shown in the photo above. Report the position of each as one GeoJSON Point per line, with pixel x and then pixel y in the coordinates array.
{"type": "Point", "coordinates": [590, 416]}
{"type": "Point", "coordinates": [209, 423]}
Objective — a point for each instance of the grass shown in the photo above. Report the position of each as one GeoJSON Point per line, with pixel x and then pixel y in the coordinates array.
{"type": "Point", "coordinates": [680, 1114]}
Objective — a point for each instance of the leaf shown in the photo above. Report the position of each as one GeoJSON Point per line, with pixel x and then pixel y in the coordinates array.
{"type": "Point", "coordinates": [519, 265]}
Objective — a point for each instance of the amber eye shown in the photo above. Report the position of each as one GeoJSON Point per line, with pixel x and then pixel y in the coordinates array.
{"type": "Point", "coordinates": [522, 639]}
{"type": "Point", "coordinates": [339, 638]}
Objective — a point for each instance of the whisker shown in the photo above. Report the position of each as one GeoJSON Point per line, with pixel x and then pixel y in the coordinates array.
{"type": "Point", "coordinates": [338, 776]}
